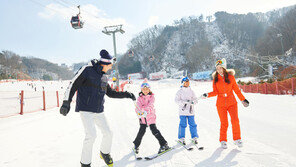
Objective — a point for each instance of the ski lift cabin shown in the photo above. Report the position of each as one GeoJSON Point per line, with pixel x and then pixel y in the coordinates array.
{"type": "Point", "coordinates": [151, 58]}
{"type": "Point", "coordinates": [76, 21]}
{"type": "Point", "coordinates": [130, 53]}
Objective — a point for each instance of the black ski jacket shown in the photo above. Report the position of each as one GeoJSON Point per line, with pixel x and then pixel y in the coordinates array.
{"type": "Point", "coordinates": [91, 85]}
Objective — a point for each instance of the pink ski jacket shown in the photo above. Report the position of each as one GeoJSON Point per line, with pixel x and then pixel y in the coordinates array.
{"type": "Point", "coordinates": [146, 103]}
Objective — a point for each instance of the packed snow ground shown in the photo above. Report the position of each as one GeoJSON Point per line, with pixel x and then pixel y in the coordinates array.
{"type": "Point", "coordinates": [48, 139]}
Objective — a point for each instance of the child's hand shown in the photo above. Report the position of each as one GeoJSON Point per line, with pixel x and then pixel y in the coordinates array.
{"type": "Point", "coordinates": [194, 101]}
{"type": "Point", "coordinates": [144, 114]}
{"type": "Point", "coordinates": [139, 114]}
{"type": "Point", "coordinates": [190, 101]}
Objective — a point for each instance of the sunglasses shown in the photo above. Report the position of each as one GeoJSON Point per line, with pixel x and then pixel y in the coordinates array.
{"type": "Point", "coordinates": [145, 85]}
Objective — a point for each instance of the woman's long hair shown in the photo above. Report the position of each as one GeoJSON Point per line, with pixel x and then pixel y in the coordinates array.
{"type": "Point", "coordinates": [225, 74]}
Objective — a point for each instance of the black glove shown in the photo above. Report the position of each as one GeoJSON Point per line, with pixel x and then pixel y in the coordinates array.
{"type": "Point", "coordinates": [64, 110]}
{"type": "Point", "coordinates": [131, 95]}
{"type": "Point", "coordinates": [245, 103]}
{"type": "Point", "coordinates": [205, 95]}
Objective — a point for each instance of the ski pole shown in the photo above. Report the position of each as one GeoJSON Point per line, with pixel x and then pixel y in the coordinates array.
{"type": "Point", "coordinates": [135, 103]}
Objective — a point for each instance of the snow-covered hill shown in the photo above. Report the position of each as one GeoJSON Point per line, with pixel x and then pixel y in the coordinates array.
{"type": "Point", "coordinates": [194, 44]}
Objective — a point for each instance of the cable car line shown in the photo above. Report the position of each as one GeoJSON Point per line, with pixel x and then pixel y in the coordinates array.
{"type": "Point", "coordinates": [52, 9]}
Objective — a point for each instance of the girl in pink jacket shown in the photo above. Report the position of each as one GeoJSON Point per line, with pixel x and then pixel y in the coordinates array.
{"type": "Point", "coordinates": [145, 106]}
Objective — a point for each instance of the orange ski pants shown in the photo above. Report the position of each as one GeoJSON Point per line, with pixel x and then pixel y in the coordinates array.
{"type": "Point", "coordinates": [232, 110]}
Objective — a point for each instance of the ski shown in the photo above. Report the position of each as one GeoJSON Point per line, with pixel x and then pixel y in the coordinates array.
{"type": "Point", "coordinates": [158, 154]}
{"type": "Point", "coordinates": [196, 145]}
{"type": "Point", "coordinates": [136, 154]}
{"type": "Point", "coordinates": [185, 146]}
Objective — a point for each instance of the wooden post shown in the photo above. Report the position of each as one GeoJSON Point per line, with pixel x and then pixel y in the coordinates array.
{"type": "Point", "coordinates": [22, 102]}
{"type": "Point", "coordinates": [44, 104]}
{"type": "Point", "coordinates": [265, 86]}
{"type": "Point", "coordinates": [277, 87]}
{"type": "Point", "coordinates": [58, 102]}
{"type": "Point", "coordinates": [257, 91]}
{"type": "Point", "coordinates": [293, 86]}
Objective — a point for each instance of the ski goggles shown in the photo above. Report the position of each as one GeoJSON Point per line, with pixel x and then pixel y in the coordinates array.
{"type": "Point", "coordinates": [219, 62]}
{"type": "Point", "coordinates": [145, 85]}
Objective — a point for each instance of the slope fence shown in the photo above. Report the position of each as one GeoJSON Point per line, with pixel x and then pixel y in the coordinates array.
{"type": "Point", "coordinates": [22, 102]}
{"type": "Point", "coordinates": [286, 87]}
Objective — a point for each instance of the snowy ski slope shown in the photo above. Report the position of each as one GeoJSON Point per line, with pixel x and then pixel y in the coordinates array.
{"type": "Point", "coordinates": [48, 139]}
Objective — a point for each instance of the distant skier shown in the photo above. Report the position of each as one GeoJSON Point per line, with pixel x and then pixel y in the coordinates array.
{"type": "Point", "coordinates": [186, 99]}
{"type": "Point", "coordinates": [223, 86]}
{"type": "Point", "coordinates": [145, 105]}
{"type": "Point", "coordinates": [91, 85]}
{"type": "Point", "coordinates": [113, 85]}
{"type": "Point", "coordinates": [129, 80]}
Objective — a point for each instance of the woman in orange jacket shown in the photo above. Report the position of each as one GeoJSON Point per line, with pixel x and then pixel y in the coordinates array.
{"type": "Point", "coordinates": [223, 86]}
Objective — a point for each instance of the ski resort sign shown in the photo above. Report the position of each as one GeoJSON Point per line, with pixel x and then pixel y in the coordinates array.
{"type": "Point", "coordinates": [135, 76]}
{"type": "Point", "coordinates": [205, 75]}
{"type": "Point", "coordinates": [177, 75]}
{"type": "Point", "coordinates": [158, 75]}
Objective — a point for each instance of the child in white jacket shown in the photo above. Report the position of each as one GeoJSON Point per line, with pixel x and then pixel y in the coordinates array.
{"type": "Point", "coordinates": [186, 99]}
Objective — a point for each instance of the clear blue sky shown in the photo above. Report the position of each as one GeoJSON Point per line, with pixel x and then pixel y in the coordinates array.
{"type": "Point", "coordinates": [41, 28]}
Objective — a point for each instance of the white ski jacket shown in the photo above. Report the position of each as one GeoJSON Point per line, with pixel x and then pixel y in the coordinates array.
{"type": "Point", "coordinates": [186, 99]}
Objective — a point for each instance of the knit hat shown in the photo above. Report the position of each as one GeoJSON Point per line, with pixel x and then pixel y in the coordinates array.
{"type": "Point", "coordinates": [221, 63]}
{"type": "Point", "coordinates": [145, 80]}
{"type": "Point", "coordinates": [106, 58]}
{"type": "Point", "coordinates": [184, 80]}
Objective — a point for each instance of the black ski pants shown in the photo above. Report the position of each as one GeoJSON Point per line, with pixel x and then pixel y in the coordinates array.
{"type": "Point", "coordinates": [154, 131]}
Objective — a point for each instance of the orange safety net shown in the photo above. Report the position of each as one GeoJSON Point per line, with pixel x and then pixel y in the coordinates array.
{"type": "Point", "coordinates": [285, 87]}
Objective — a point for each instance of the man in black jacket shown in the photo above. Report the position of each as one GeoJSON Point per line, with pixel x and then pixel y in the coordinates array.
{"type": "Point", "coordinates": [91, 85]}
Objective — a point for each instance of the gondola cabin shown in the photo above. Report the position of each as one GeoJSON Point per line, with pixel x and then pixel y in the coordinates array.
{"type": "Point", "coordinates": [130, 53]}
{"type": "Point", "coordinates": [76, 21]}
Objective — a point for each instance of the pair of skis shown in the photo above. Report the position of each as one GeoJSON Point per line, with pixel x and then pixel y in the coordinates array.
{"type": "Point", "coordinates": [188, 148]}
{"type": "Point", "coordinates": [152, 156]}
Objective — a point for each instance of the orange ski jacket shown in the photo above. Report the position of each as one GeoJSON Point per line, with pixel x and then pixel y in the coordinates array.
{"type": "Point", "coordinates": [224, 91]}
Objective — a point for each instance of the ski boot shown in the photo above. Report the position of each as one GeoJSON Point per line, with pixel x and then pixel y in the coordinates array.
{"type": "Point", "coordinates": [107, 158]}
{"type": "Point", "coordinates": [224, 144]}
{"type": "Point", "coordinates": [239, 143]}
{"type": "Point", "coordinates": [163, 148]}
{"type": "Point", "coordinates": [194, 140]}
{"type": "Point", "coordinates": [136, 149]}
{"type": "Point", "coordinates": [136, 152]}
{"type": "Point", "coordinates": [182, 141]}
{"type": "Point", "coordinates": [85, 165]}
